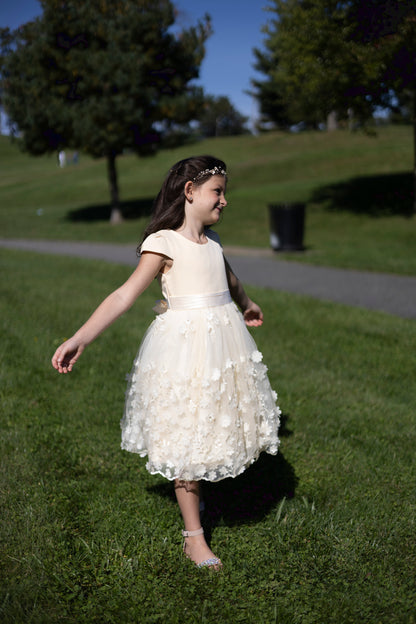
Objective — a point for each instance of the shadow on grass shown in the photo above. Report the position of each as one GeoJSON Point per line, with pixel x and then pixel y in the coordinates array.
{"type": "Point", "coordinates": [250, 496]}
{"type": "Point", "coordinates": [376, 196]}
{"type": "Point", "coordinates": [130, 209]}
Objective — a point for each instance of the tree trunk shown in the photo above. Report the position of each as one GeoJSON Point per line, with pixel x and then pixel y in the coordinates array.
{"type": "Point", "coordinates": [116, 216]}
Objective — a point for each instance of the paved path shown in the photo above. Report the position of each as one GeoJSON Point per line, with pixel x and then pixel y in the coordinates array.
{"type": "Point", "coordinates": [376, 291]}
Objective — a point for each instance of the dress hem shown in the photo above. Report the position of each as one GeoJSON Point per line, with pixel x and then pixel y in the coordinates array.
{"type": "Point", "coordinates": [233, 475]}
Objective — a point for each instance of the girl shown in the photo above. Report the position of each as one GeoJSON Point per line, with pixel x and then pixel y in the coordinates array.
{"type": "Point", "coordinates": [199, 403]}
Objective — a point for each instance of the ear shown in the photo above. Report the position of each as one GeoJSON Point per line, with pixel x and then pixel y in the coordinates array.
{"type": "Point", "coordinates": [189, 187]}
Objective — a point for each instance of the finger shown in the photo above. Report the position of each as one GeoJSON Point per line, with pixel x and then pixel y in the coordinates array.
{"type": "Point", "coordinates": [254, 322]}
{"type": "Point", "coordinates": [65, 368]}
{"type": "Point", "coordinates": [67, 364]}
{"type": "Point", "coordinates": [57, 359]}
{"type": "Point", "coordinates": [61, 361]}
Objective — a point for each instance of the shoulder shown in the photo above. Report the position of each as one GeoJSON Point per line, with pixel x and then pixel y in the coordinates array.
{"type": "Point", "coordinates": [158, 242]}
{"type": "Point", "coordinates": [213, 236]}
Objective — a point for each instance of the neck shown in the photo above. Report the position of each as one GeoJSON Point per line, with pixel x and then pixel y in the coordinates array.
{"type": "Point", "coordinates": [194, 231]}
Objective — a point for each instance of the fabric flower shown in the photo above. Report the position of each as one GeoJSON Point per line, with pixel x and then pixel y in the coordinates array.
{"type": "Point", "coordinates": [186, 328]}
{"type": "Point", "coordinates": [216, 374]}
{"type": "Point", "coordinates": [225, 420]}
{"type": "Point", "coordinates": [256, 356]}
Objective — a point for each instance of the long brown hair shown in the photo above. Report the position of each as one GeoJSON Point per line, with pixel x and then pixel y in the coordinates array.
{"type": "Point", "coordinates": [169, 206]}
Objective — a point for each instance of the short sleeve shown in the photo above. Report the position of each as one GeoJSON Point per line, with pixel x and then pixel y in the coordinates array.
{"type": "Point", "coordinates": [157, 243]}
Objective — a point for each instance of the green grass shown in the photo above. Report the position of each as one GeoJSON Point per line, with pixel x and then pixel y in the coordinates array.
{"type": "Point", "coordinates": [358, 190]}
{"type": "Point", "coordinates": [323, 533]}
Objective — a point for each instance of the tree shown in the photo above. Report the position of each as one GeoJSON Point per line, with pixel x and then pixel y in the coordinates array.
{"type": "Point", "coordinates": [220, 118]}
{"type": "Point", "coordinates": [102, 76]}
{"type": "Point", "coordinates": [311, 63]}
{"type": "Point", "coordinates": [389, 28]}
{"type": "Point", "coordinates": [344, 58]}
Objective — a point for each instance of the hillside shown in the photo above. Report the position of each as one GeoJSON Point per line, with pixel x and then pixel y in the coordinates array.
{"type": "Point", "coordinates": [357, 188]}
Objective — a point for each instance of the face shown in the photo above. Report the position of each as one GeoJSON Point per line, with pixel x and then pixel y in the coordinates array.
{"type": "Point", "coordinates": [208, 200]}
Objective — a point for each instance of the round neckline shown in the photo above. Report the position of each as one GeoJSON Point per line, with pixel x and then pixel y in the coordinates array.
{"type": "Point", "coordinates": [191, 241]}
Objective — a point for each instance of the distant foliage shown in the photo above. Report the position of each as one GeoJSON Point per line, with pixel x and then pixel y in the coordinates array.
{"type": "Point", "coordinates": [220, 118]}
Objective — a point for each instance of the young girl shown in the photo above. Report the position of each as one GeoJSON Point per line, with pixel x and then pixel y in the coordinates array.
{"type": "Point", "coordinates": [199, 403]}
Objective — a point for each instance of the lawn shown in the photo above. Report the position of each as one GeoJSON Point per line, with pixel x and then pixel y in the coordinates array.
{"type": "Point", "coordinates": [323, 533]}
{"type": "Point", "coordinates": [357, 188]}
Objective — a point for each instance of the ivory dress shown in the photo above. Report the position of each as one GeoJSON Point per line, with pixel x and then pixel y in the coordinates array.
{"type": "Point", "coordinates": [199, 403]}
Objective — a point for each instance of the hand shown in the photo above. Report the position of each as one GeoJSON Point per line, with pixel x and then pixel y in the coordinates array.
{"type": "Point", "coordinates": [253, 316]}
{"type": "Point", "coordinates": [66, 355]}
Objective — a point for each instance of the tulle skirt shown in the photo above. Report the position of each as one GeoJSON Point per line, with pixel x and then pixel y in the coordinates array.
{"type": "Point", "coordinates": [199, 403]}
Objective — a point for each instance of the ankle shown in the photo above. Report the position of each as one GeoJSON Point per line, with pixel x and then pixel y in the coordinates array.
{"type": "Point", "coordinates": [194, 533]}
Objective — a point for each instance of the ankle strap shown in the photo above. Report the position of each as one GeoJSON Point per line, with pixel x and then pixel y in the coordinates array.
{"type": "Point", "coordinates": [192, 533]}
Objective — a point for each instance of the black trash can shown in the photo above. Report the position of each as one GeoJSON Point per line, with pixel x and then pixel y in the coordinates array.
{"type": "Point", "coordinates": [287, 222]}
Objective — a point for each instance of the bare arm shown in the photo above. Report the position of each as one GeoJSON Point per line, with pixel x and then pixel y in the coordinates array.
{"type": "Point", "coordinates": [108, 311]}
{"type": "Point", "coordinates": [253, 316]}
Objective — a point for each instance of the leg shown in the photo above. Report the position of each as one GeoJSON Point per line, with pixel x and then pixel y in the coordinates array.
{"type": "Point", "coordinates": [187, 494]}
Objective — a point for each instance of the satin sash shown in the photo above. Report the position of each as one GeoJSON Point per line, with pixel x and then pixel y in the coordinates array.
{"type": "Point", "coordinates": [193, 302]}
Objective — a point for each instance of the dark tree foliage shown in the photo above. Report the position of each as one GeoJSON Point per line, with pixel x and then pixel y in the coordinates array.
{"type": "Point", "coordinates": [268, 92]}
{"type": "Point", "coordinates": [220, 118]}
{"type": "Point", "coordinates": [101, 76]}
{"type": "Point", "coordinates": [389, 28]}
{"type": "Point", "coordinates": [326, 55]}
{"type": "Point", "coordinates": [343, 58]}
{"type": "Point", "coordinates": [312, 65]}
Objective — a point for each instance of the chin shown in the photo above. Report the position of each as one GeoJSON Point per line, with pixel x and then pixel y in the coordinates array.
{"type": "Point", "coordinates": [213, 221]}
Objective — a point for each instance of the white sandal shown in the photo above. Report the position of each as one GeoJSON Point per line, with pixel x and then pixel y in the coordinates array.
{"type": "Point", "coordinates": [212, 561]}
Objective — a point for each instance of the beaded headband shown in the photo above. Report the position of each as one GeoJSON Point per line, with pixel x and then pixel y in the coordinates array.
{"type": "Point", "coordinates": [214, 171]}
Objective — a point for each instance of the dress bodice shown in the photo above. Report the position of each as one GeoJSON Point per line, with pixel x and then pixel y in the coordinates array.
{"type": "Point", "coordinates": [197, 269]}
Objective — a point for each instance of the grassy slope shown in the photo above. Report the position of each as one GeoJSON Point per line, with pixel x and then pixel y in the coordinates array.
{"type": "Point", "coordinates": [323, 533]}
{"type": "Point", "coordinates": [357, 188]}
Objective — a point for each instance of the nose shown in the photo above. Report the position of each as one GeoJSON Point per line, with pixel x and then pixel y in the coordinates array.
{"type": "Point", "coordinates": [223, 200]}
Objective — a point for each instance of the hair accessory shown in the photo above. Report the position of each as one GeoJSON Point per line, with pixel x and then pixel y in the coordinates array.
{"type": "Point", "coordinates": [214, 171]}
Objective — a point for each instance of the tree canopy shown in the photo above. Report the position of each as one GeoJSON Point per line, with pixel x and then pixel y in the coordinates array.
{"type": "Point", "coordinates": [312, 64]}
{"type": "Point", "coordinates": [348, 58]}
{"type": "Point", "coordinates": [219, 117]}
{"type": "Point", "coordinates": [101, 76]}
{"type": "Point", "coordinates": [328, 56]}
